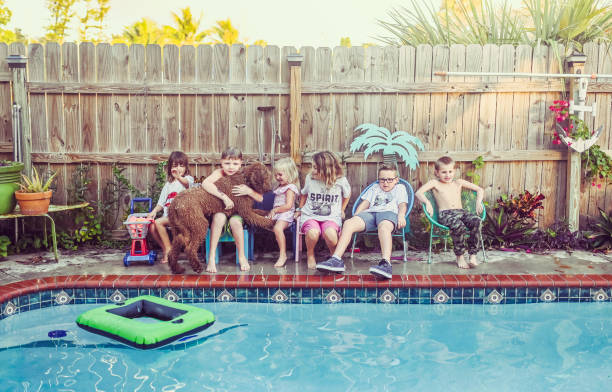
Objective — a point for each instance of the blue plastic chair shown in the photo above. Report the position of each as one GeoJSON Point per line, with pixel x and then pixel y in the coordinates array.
{"type": "Point", "coordinates": [227, 237]}
{"type": "Point", "coordinates": [438, 230]}
{"type": "Point", "coordinates": [267, 204]}
{"type": "Point", "coordinates": [397, 233]}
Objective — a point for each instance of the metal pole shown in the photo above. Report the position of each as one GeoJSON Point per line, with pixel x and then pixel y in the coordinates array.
{"type": "Point", "coordinates": [523, 75]}
{"type": "Point", "coordinates": [17, 64]}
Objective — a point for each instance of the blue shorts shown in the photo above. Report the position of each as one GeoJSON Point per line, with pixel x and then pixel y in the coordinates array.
{"type": "Point", "coordinates": [373, 219]}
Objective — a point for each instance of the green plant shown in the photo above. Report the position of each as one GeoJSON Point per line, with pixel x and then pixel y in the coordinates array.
{"type": "Point", "coordinates": [35, 183]}
{"type": "Point", "coordinates": [5, 242]}
{"type": "Point", "coordinates": [478, 164]}
{"type": "Point", "coordinates": [597, 166]}
{"type": "Point", "coordinates": [501, 229]}
{"type": "Point", "coordinates": [601, 233]}
{"type": "Point", "coordinates": [522, 207]}
{"type": "Point", "coordinates": [557, 236]}
{"type": "Point", "coordinates": [569, 125]}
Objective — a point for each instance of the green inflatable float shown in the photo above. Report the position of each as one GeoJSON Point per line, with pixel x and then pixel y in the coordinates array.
{"type": "Point", "coordinates": [172, 321]}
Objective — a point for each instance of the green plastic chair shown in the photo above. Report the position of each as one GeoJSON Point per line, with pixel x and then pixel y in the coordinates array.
{"type": "Point", "coordinates": [438, 230]}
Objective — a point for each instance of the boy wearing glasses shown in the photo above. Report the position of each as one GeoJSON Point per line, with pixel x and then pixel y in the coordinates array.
{"type": "Point", "coordinates": [383, 206]}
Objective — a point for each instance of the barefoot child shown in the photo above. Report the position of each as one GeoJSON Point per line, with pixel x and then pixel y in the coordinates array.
{"type": "Point", "coordinates": [286, 175]}
{"type": "Point", "coordinates": [179, 179]}
{"type": "Point", "coordinates": [323, 200]}
{"type": "Point", "coordinates": [383, 206]}
{"type": "Point", "coordinates": [231, 163]}
{"type": "Point", "coordinates": [447, 192]}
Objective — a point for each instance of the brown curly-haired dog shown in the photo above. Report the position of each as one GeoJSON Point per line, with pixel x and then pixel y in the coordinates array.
{"type": "Point", "coordinates": [191, 210]}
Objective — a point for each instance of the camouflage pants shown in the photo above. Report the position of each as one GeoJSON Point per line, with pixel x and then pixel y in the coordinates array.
{"type": "Point", "coordinates": [461, 224]}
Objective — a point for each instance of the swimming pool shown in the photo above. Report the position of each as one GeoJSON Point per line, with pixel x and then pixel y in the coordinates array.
{"type": "Point", "coordinates": [354, 347]}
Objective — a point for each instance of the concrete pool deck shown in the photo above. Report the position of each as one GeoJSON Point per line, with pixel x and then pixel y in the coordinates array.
{"type": "Point", "coordinates": [109, 262]}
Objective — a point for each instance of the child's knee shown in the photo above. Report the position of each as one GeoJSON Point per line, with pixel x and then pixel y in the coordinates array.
{"type": "Point", "coordinates": [313, 234]}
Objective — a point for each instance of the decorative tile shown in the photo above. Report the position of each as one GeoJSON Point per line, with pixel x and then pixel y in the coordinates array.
{"type": "Point", "coordinates": [333, 297]}
{"type": "Point", "coordinates": [9, 309]}
{"type": "Point", "coordinates": [171, 296]}
{"type": "Point", "coordinates": [279, 296]}
{"type": "Point", "coordinates": [494, 297]}
{"type": "Point", "coordinates": [117, 297]}
{"type": "Point", "coordinates": [387, 297]}
{"type": "Point", "coordinates": [600, 296]}
{"type": "Point", "coordinates": [225, 296]}
{"type": "Point", "coordinates": [441, 297]}
{"type": "Point", "coordinates": [547, 296]}
{"type": "Point", "coordinates": [62, 298]}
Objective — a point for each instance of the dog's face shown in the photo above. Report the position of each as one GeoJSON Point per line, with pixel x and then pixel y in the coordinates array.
{"type": "Point", "coordinates": [258, 177]}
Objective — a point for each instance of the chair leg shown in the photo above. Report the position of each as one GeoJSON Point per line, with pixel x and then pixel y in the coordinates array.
{"type": "Point", "coordinates": [484, 253]}
{"type": "Point", "coordinates": [405, 243]}
{"type": "Point", "coordinates": [298, 245]}
{"type": "Point", "coordinates": [353, 246]}
{"type": "Point", "coordinates": [430, 241]}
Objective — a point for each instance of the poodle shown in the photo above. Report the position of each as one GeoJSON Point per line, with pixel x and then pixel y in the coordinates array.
{"type": "Point", "coordinates": [191, 210]}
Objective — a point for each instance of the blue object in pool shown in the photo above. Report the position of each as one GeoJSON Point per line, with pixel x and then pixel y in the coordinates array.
{"type": "Point", "coordinates": [56, 334]}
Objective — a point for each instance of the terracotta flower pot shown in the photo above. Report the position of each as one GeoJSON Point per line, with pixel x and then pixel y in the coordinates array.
{"type": "Point", "coordinates": [33, 203]}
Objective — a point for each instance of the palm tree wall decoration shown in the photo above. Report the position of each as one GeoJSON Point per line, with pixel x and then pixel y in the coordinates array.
{"type": "Point", "coordinates": [392, 145]}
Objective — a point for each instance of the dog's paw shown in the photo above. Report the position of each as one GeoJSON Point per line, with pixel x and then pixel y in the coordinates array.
{"type": "Point", "coordinates": [178, 270]}
{"type": "Point", "coordinates": [197, 269]}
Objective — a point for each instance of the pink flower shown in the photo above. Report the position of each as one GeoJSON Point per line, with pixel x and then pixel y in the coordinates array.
{"type": "Point", "coordinates": [593, 183]}
{"type": "Point", "coordinates": [569, 144]}
{"type": "Point", "coordinates": [556, 102]}
{"type": "Point", "coordinates": [598, 186]}
{"type": "Point", "coordinates": [571, 126]}
{"type": "Point", "coordinates": [559, 118]}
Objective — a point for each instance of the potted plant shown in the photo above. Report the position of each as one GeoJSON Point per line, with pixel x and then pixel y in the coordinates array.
{"type": "Point", "coordinates": [10, 173]}
{"type": "Point", "coordinates": [34, 195]}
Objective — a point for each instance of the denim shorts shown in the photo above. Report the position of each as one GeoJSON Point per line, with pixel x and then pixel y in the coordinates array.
{"type": "Point", "coordinates": [373, 219]}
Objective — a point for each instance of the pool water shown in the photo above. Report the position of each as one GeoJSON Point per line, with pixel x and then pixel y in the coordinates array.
{"type": "Point", "coordinates": [348, 347]}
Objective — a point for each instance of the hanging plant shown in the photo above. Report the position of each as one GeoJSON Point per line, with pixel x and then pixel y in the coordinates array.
{"type": "Point", "coordinates": [392, 145]}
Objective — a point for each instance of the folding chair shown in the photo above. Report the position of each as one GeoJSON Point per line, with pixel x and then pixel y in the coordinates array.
{"type": "Point", "coordinates": [438, 230]}
{"type": "Point", "coordinates": [397, 233]}
{"type": "Point", "coordinates": [267, 204]}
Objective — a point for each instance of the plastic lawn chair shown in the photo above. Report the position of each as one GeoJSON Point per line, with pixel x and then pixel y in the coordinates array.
{"type": "Point", "coordinates": [397, 233]}
{"type": "Point", "coordinates": [266, 205]}
{"type": "Point", "coordinates": [227, 237]}
{"type": "Point", "coordinates": [438, 230]}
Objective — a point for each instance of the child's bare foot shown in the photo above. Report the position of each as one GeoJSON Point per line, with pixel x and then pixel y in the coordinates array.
{"type": "Point", "coordinates": [244, 264]}
{"type": "Point", "coordinates": [211, 267]}
{"type": "Point", "coordinates": [312, 262]}
{"type": "Point", "coordinates": [461, 262]}
{"type": "Point", "coordinates": [282, 259]}
{"type": "Point", "coordinates": [164, 259]}
{"type": "Point", "coordinates": [473, 262]}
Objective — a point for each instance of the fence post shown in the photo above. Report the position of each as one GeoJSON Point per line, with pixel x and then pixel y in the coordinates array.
{"type": "Point", "coordinates": [575, 64]}
{"type": "Point", "coordinates": [295, 104]}
{"type": "Point", "coordinates": [17, 64]}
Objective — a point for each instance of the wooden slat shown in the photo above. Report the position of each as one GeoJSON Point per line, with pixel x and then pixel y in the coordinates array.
{"type": "Point", "coordinates": [140, 140]}
{"type": "Point", "coordinates": [170, 102]}
{"type": "Point", "coordinates": [153, 103]}
{"type": "Point", "coordinates": [254, 138]}
{"type": "Point", "coordinates": [187, 103]}
{"type": "Point", "coordinates": [6, 124]}
{"type": "Point", "coordinates": [336, 134]}
{"type": "Point", "coordinates": [308, 88]}
{"type": "Point", "coordinates": [440, 102]}
{"type": "Point", "coordinates": [205, 131]}
{"type": "Point", "coordinates": [272, 74]}
{"type": "Point", "coordinates": [309, 102]}
{"type": "Point", "coordinates": [284, 103]}
{"type": "Point", "coordinates": [322, 118]}
{"type": "Point", "coordinates": [221, 74]}
{"type": "Point", "coordinates": [57, 122]}
{"type": "Point", "coordinates": [89, 139]}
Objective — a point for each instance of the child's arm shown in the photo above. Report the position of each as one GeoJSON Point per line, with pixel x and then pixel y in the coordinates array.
{"type": "Point", "coordinates": [163, 196]}
{"type": "Point", "coordinates": [401, 215]}
{"type": "Point", "coordinates": [420, 194]}
{"type": "Point", "coordinates": [479, 193]}
{"type": "Point", "coordinates": [345, 201]}
{"type": "Point", "coordinates": [154, 211]}
{"type": "Point", "coordinates": [364, 205]}
{"type": "Point", "coordinates": [302, 203]}
{"type": "Point", "coordinates": [245, 190]}
{"type": "Point", "coordinates": [209, 186]}
{"type": "Point", "coordinates": [289, 203]}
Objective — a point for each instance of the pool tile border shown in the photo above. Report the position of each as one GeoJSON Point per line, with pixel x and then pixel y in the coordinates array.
{"type": "Point", "coordinates": [31, 294]}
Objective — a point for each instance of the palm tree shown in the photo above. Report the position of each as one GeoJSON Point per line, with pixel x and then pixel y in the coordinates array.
{"type": "Point", "coordinates": [225, 33]}
{"type": "Point", "coordinates": [398, 143]}
{"type": "Point", "coordinates": [144, 32]}
{"type": "Point", "coordinates": [187, 29]}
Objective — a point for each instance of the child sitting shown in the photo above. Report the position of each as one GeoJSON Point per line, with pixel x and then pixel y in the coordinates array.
{"type": "Point", "coordinates": [383, 206]}
{"type": "Point", "coordinates": [177, 171]}
{"type": "Point", "coordinates": [323, 200]}
{"type": "Point", "coordinates": [447, 192]}
{"type": "Point", "coordinates": [286, 175]}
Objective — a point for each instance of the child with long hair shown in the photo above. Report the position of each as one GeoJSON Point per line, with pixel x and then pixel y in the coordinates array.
{"type": "Point", "coordinates": [177, 171]}
{"type": "Point", "coordinates": [323, 200]}
{"type": "Point", "coordinates": [286, 175]}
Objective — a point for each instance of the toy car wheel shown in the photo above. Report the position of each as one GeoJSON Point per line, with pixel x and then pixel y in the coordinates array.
{"type": "Point", "coordinates": [151, 259]}
{"type": "Point", "coordinates": [126, 262]}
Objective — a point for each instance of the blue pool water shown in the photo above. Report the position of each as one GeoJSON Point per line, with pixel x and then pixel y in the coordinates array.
{"type": "Point", "coordinates": [349, 347]}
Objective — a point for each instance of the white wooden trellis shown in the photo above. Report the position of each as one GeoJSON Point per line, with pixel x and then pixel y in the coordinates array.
{"type": "Point", "coordinates": [577, 105]}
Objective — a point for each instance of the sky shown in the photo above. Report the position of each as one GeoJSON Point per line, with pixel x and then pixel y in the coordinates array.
{"type": "Point", "coordinates": [278, 22]}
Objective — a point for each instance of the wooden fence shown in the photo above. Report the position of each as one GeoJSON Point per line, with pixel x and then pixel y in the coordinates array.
{"type": "Point", "coordinates": [132, 105]}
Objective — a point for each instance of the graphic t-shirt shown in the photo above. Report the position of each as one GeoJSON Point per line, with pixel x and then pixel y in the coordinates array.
{"type": "Point", "coordinates": [169, 192]}
{"type": "Point", "coordinates": [385, 201]}
{"type": "Point", "coordinates": [324, 203]}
